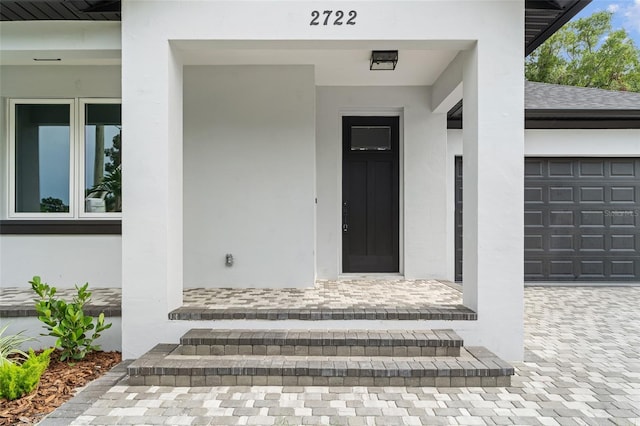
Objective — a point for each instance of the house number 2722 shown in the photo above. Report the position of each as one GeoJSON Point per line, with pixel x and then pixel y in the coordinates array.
{"type": "Point", "coordinates": [333, 17]}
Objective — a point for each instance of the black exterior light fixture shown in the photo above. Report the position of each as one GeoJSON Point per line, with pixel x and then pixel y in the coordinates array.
{"type": "Point", "coordinates": [384, 60]}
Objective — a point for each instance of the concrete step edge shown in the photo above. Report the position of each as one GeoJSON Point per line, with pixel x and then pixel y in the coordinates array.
{"type": "Point", "coordinates": [443, 312]}
{"type": "Point", "coordinates": [270, 337]}
{"type": "Point", "coordinates": [164, 361]}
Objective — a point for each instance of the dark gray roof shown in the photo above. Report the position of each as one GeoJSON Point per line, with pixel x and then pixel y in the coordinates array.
{"type": "Point", "coordinates": [553, 106]}
{"type": "Point", "coordinates": [544, 96]}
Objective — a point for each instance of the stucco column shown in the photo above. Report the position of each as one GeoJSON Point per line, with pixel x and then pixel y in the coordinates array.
{"type": "Point", "coordinates": [425, 195]}
{"type": "Point", "coordinates": [493, 149]}
{"type": "Point", "coordinates": [152, 187]}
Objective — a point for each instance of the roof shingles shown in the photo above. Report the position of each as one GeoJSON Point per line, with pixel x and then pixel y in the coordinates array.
{"type": "Point", "coordinates": [544, 96]}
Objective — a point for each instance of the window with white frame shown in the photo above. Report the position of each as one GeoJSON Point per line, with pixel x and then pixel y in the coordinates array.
{"type": "Point", "coordinates": [65, 158]}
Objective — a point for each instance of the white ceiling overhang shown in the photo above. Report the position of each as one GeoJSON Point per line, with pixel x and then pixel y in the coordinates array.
{"type": "Point", "coordinates": [336, 63]}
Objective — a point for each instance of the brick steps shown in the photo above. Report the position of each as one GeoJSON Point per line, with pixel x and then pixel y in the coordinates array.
{"type": "Point", "coordinates": [332, 358]}
{"type": "Point", "coordinates": [335, 343]}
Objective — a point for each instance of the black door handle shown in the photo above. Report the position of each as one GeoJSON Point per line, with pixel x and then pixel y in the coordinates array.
{"type": "Point", "coordinates": [345, 217]}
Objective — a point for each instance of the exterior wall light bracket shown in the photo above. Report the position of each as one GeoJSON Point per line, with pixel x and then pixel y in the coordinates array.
{"type": "Point", "coordinates": [384, 60]}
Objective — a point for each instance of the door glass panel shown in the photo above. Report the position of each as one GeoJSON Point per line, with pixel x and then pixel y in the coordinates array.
{"type": "Point", "coordinates": [102, 158]}
{"type": "Point", "coordinates": [42, 146]}
{"type": "Point", "coordinates": [370, 138]}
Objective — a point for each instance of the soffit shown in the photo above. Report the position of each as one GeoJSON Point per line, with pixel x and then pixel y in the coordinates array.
{"type": "Point", "coordinates": [60, 10]}
{"type": "Point", "coordinates": [542, 18]}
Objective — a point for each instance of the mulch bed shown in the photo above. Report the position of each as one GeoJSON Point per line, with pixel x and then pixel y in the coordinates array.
{"type": "Point", "coordinates": [57, 385]}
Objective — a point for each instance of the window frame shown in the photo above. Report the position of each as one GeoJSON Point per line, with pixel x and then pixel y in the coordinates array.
{"type": "Point", "coordinates": [82, 103]}
{"type": "Point", "coordinates": [76, 160]}
{"type": "Point", "coordinates": [12, 159]}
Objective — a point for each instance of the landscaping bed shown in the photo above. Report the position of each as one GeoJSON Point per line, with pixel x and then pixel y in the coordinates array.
{"type": "Point", "coordinates": [58, 384]}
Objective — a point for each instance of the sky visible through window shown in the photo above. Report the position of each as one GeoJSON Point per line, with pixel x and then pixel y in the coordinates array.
{"type": "Point", "coordinates": [53, 149]}
{"type": "Point", "coordinates": [54, 158]}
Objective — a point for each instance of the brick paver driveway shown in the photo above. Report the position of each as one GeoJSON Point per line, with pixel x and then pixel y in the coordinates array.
{"type": "Point", "coordinates": [582, 367]}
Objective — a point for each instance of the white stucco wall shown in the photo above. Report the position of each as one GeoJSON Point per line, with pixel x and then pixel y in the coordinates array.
{"type": "Point", "coordinates": [249, 176]}
{"type": "Point", "coordinates": [158, 35]}
{"type": "Point", "coordinates": [73, 42]}
{"type": "Point", "coordinates": [566, 143]}
{"type": "Point", "coordinates": [110, 340]}
{"type": "Point", "coordinates": [61, 259]}
{"type": "Point", "coordinates": [582, 142]}
{"type": "Point", "coordinates": [422, 175]}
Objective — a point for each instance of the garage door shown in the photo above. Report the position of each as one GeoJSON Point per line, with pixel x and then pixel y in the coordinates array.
{"type": "Point", "coordinates": [581, 217]}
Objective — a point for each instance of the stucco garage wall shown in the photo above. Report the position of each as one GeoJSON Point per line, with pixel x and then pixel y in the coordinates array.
{"type": "Point", "coordinates": [582, 142]}
{"type": "Point", "coordinates": [423, 174]}
{"type": "Point", "coordinates": [249, 176]}
{"type": "Point", "coordinates": [568, 142]}
{"type": "Point", "coordinates": [61, 260]}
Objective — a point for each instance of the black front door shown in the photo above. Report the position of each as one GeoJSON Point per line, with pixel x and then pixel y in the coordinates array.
{"type": "Point", "coordinates": [370, 187]}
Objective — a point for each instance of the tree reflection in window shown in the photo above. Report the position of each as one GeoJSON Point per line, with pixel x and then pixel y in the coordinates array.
{"type": "Point", "coordinates": [103, 166]}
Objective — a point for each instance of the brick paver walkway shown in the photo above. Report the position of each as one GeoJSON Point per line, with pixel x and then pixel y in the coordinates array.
{"type": "Point", "coordinates": [582, 367]}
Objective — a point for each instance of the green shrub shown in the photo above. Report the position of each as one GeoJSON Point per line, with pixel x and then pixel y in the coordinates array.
{"type": "Point", "coordinates": [10, 346]}
{"type": "Point", "coordinates": [67, 321]}
{"type": "Point", "coordinates": [17, 380]}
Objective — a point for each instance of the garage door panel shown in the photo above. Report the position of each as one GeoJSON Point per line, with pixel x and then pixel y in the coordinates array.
{"type": "Point", "coordinates": [622, 219]}
{"type": "Point", "coordinates": [533, 269]}
{"type": "Point", "coordinates": [561, 243]}
{"type": "Point", "coordinates": [594, 269]}
{"type": "Point", "coordinates": [623, 168]}
{"type": "Point", "coordinates": [560, 168]}
{"type": "Point", "coordinates": [533, 243]}
{"type": "Point", "coordinates": [561, 194]}
{"type": "Point", "coordinates": [561, 218]}
{"type": "Point", "coordinates": [592, 243]}
{"type": "Point", "coordinates": [624, 268]}
{"type": "Point", "coordinates": [534, 218]}
{"type": "Point", "coordinates": [592, 194]}
{"type": "Point", "coordinates": [592, 218]}
{"type": "Point", "coordinates": [622, 243]}
{"type": "Point", "coordinates": [561, 268]}
{"type": "Point", "coordinates": [623, 194]}
{"type": "Point", "coordinates": [592, 168]}
{"type": "Point", "coordinates": [533, 195]}
{"type": "Point", "coordinates": [534, 168]}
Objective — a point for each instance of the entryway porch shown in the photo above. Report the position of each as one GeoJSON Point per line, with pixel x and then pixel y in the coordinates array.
{"type": "Point", "coordinates": [362, 332]}
{"type": "Point", "coordinates": [375, 331]}
{"type": "Point", "coordinates": [335, 302]}
{"type": "Point", "coordinates": [344, 299]}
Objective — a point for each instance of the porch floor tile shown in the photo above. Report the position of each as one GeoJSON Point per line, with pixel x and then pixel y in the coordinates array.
{"type": "Point", "coordinates": [345, 299]}
{"type": "Point", "coordinates": [384, 298]}
{"type": "Point", "coordinates": [19, 301]}
{"type": "Point", "coordinates": [341, 294]}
